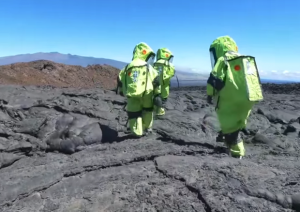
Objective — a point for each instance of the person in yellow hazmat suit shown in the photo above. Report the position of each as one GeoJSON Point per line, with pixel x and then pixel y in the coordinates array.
{"type": "Point", "coordinates": [166, 70]}
{"type": "Point", "coordinates": [234, 84]}
{"type": "Point", "coordinates": [139, 82]}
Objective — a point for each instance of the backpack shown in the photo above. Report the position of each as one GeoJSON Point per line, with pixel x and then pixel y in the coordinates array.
{"type": "Point", "coordinates": [243, 78]}
{"type": "Point", "coordinates": [136, 79]}
{"type": "Point", "coordinates": [165, 72]}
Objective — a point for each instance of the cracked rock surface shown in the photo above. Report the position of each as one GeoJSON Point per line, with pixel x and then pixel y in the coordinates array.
{"type": "Point", "coordinates": [67, 150]}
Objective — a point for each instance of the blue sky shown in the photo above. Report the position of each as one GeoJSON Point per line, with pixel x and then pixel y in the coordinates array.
{"type": "Point", "coordinates": [268, 30]}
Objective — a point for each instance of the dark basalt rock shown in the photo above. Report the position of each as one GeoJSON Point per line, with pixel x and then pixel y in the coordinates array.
{"type": "Point", "coordinates": [64, 149]}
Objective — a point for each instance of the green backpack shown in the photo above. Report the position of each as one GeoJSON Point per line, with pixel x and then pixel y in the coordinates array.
{"type": "Point", "coordinates": [165, 71]}
{"type": "Point", "coordinates": [242, 78]}
{"type": "Point", "coordinates": [136, 79]}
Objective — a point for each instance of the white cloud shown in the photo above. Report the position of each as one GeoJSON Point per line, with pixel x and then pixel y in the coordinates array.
{"type": "Point", "coordinates": [278, 74]}
{"type": "Point", "coordinates": [286, 72]}
{"type": "Point", "coordinates": [281, 75]}
{"type": "Point", "coordinates": [263, 73]}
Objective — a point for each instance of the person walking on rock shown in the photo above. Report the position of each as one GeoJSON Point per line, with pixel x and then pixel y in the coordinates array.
{"type": "Point", "coordinates": [166, 70]}
{"type": "Point", "coordinates": [139, 82]}
{"type": "Point", "coordinates": [234, 83]}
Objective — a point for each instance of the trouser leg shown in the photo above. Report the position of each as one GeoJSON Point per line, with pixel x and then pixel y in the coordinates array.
{"type": "Point", "coordinates": [134, 112]}
{"type": "Point", "coordinates": [159, 106]}
{"type": "Point", "coordinates": [148, 103]}
{"type": "Point", "coordinates": [165, 89]}
{"type": "Point", "coordinates": [135, 123]}
{"type": "Point", "coordinates": [147, 116]}
{"type": "Point", "coordinates": [235, 144]}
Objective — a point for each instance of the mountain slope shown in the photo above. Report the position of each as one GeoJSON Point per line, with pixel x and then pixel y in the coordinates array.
{"type": "Point", "coordinates": [43, 72]}
{"type": "Point", "coordinates": [67, 59]}
{"type": "Point", "coordinates": [185, 75]}
{"type": "Point", "coordinates": [70, 59]}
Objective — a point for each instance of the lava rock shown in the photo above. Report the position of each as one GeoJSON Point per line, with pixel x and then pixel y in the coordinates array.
{"type": "Point", "coordinates": [65, 149]}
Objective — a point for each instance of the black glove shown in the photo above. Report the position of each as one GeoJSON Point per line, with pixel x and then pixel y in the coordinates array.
{"type": "Point", "coordinates": [246, 131]}
{"type": "Point", "coordinates": [157, 101]}
{"type": "Point", "coordinates": [209, 100]}
{"type": "Point", "coordinates": [220, 137]}
{"type": "Point", "coordinates": [119, 83]}
{"type": "Point", "coordinates": [156, 82]}
{"type": "Point", "coordinates": [121, 93]}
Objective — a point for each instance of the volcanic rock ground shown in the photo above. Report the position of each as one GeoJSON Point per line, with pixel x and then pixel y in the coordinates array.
{"type": "Point", "coordinates": [64, 149]}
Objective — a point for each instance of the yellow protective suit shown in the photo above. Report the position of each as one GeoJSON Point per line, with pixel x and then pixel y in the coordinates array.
{"type": "Point", "coordinates": [140, 83]}
{"type": "Point", "coordinates": [235, 84]}
{"type": "Point", "coordinates": [166, 70]}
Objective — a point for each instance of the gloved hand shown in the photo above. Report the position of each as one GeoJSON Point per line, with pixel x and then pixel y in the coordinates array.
{"type": "Point", "coordinates": [220, 137]}
{"type": "Point", "coordinates": [246, 131]}
{"type": "Point", "coordinates": [157, 101]}
{"type": "Point", "coordinates": [121, 93]}
{"type": "Point", "coordinates": [209, 100]}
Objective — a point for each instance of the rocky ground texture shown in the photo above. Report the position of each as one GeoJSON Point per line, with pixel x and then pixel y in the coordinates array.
{"type": "Point", "coordinates": [65, 149]}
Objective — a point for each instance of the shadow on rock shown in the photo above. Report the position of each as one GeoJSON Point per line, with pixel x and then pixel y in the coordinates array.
{"type": "Point", "coordinates": [177, 139]}
{"type": "Point", "coordinates": [109, 134]}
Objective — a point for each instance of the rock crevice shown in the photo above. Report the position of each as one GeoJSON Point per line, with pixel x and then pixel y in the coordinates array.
{"type": "Point", "coordinates": [65, 149]}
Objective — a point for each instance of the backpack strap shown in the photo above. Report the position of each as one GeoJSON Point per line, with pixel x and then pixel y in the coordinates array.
{"type": "Point", "coordinates": [125, 71]}
{"type": "Point", "coordinates": [227, 63]}
{"type": "Point", "coordinates": [147, 73]}
{"type": "Point", "coordinates": [224, 80]}
{"type": "Point", "coordinates": [118, 80]}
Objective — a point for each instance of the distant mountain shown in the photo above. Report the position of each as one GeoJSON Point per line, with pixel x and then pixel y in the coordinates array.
{"type": "Point", "coordinates": [67, 59]}
{"type": "Point", "coordinates": [278, 81]}
{"type": "Point", "coordinates": [185, 75]}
